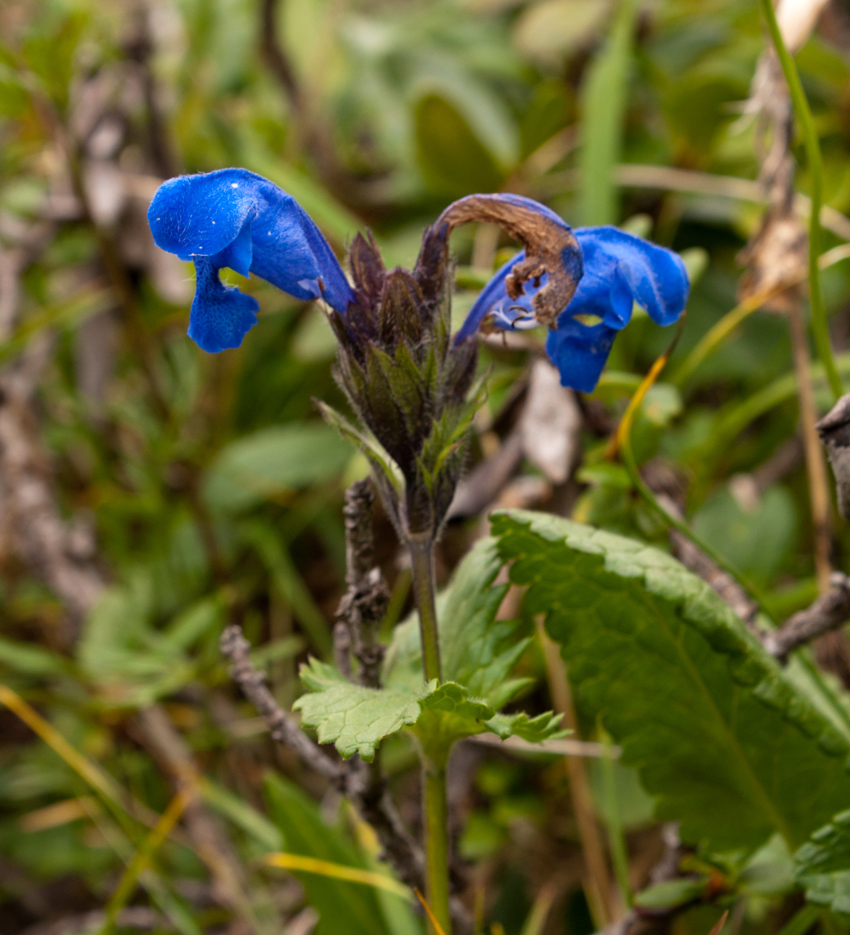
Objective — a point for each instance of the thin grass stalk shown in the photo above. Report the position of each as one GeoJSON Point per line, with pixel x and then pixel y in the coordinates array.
{"type": "Point", "coordinates": [810, 140]}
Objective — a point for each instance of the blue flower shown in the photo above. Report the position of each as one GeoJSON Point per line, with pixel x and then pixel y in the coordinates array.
{"type": "Point", "coordinates": [619, 270]}
{"type": "Point", "coordinates": [234, 218]}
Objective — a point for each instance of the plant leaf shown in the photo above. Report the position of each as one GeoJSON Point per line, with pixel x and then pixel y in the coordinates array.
{"type": "Point", "coordinates": [477, 650]}
{"type": "Point", "coordinates": [604, 99]}
{"type": "Point", "coordinates": [727, 743]}
{"type": "Point", "coordinates": [273, 461]}
{"type": "Point", "coordinates": [354, 718]}
{"type": "Point", "coordinates": [344, 908]}
{"type": "Point", "coordinates": [822, 865]}
{"type": "Point", "coordinates": [478, 654]}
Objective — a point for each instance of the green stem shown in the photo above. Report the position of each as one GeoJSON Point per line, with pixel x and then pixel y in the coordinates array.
{"type": "Point", "coordinates": [436, 842]}
{"type": "Point", "coordinates": [810, 139]}
{"type": "Point", "coordinates": [421, 550]}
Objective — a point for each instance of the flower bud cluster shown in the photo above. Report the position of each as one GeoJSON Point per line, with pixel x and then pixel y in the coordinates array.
{"type": "Point", "coordinates": [406, 378]}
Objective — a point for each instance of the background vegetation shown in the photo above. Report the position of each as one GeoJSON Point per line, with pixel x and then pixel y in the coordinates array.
{"type": "Point", "coordinates": [149, 492]}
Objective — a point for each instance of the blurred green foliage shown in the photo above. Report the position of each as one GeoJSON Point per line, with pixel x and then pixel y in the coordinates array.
{"type": "Point", "coordinates": [202, 487]}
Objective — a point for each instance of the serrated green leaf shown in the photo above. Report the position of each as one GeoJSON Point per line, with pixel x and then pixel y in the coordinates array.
{"type": "Point", "coordinates": [727, 743]}
{"type": "Point", "coordinates": [544, 726]}
{"type": "Point", "coordinates": [356, 719]}
{"type": "Point", "coordinates": [478, 654]}
{"type": "Point", "coordinates": [448, 714]}
{"type": "Point", "coordinates": [822, 865]}
{"type": "Point", "coordinates": [352, 717]}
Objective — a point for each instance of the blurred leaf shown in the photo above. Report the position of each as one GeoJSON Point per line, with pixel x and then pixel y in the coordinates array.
{"type": "Point", "coordinates": [272, 462]}
{"type": "Point", "coordinates": [30, 660]}
{"type": "Point", "coordinates": [242, 814]}
{"type": "Point", "coordinates": [604, 99]}
{"type": "Point", "coordinates": [756, 540]}
{"type": "Point", "coordinates": [699, 707]}
{"type": "Point", "coordinates": [288, 581]}
{"type": "Point", "coordinates": [672, 893]}
{"type": "Point", "coordinates": [453, 160]}
{"type": "Point", "coordinates": [344, 908]}
{"type": "Point", "coordinates": [697, 104]}
{"type": "Point", "coordinates": [822, 865]}
{"type": "Point", "coordinates": [550, 30]}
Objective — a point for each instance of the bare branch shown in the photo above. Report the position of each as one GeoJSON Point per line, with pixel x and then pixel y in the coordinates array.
{"type": "Point", "coordinates": [365, 787]}
{"type": "Point", "coordinates": [827, 613]}
{"type": "Point", "coordinates": [284, 728]}
{"type": "Point", "coordinates": [364, 604]}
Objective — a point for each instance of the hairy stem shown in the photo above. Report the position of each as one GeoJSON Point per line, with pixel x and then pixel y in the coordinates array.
{"type": "Point", "coordinates": [421, 550]}
{"type": "Point", "coordinates": [810, 139]}
{"type": "Point", "coordinates": [436, 842]}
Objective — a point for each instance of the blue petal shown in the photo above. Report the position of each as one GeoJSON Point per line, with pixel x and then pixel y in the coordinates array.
{"type": "Point", "coordinates": [240, 220]}
{"type": "Point", "coordinates": [580, 352]}
{"type": "Point", "coordinates": [621, 269]}
{"type": "Point", "coordinates": [221, 315]}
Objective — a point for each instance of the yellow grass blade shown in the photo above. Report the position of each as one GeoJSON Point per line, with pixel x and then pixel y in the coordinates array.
{"type": "Point", "coordinates": [89, 771]}
{"type": "Point", "coordinates": [142, 860]}
{"type": "Point", "coordinates": [52, 816]}
{"type": "Point", "coordinates": [327, 868]}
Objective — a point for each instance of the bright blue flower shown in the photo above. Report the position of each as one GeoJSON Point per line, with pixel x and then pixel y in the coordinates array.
{"type": "Point", "coordinates": [619, 270]}
{"type": "Point", "coordinates": [234, 218]}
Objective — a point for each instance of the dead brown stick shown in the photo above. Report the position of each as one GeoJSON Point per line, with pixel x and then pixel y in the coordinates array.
{"type": "Point", "coordinates": [284, 728]}
{"type": "Point", "coordinates": [827, 613]}
{"type": "Point", "coordinates": [364, 604]}
{"type": "Point", "coordinates": [59, 554]}
{"type": "Point", "coordinates": [371, 799]}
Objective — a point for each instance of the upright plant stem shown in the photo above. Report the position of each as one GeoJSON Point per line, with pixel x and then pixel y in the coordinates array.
{"type": "Point", "coordinates": [810, 139]}
{"type": "Point", "coordinates": [815, 462]}
{"type": "Point", "coordinates": [421, 548]}
{"type": "Point", "coordinates": [436, 840]}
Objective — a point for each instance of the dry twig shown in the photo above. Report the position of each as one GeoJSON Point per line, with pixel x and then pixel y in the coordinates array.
{"type": "Point", "coordinates": [364, 604]}
{"type": "Point", "coordinates": [284, 728]}
{"type": "Point", "coordinates": [827, 613]}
